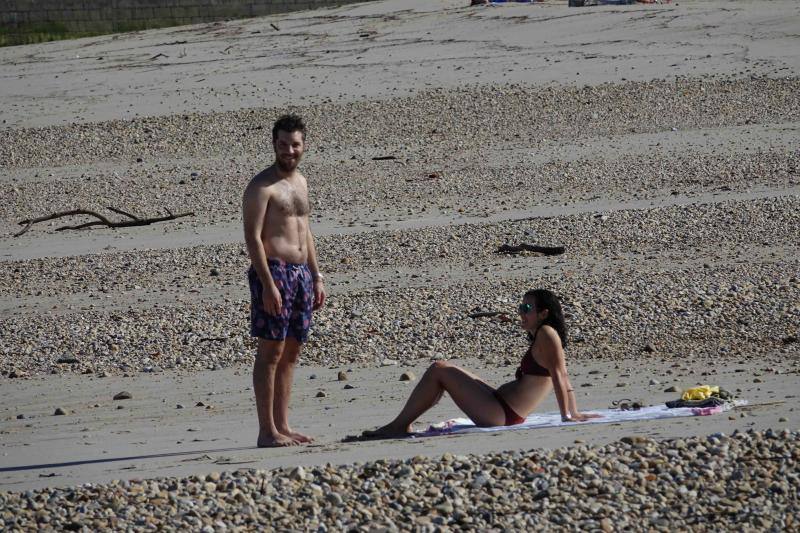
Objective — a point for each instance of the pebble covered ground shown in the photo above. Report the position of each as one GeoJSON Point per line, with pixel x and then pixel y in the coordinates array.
{"type": "Point", "coordinates": [699, 259]}
{"type": "Point", "coordinates": [437, 164]}
{"type": "Point", "coordinates": [745, 481]}
{"type": "Point", "coordinates": [724, 312]}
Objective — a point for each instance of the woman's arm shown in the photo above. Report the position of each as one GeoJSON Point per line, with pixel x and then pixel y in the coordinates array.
{"type": "Point", "coordinates": [553, 355]}
{"type": "Point", "coordinates": [564, 393]}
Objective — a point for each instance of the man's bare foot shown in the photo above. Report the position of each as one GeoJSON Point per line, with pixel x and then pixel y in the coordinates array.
{"type": "Point", "coordinates": [296, 436]}
{"type": "Point", "coordinates": [274, 441]}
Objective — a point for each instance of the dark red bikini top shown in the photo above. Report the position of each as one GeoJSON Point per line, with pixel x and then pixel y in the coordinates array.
{"type": "Point", "coordinates": [528, 366]}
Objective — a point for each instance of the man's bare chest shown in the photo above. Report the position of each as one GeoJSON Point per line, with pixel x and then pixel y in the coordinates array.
{"type": "Point", "coordinates": [289, 201]}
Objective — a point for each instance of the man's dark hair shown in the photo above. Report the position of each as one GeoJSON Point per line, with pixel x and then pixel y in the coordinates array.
{"type": "Point", "coordinates": [288, 123]}
{"type": "Point", "coordinates": [544, 299]}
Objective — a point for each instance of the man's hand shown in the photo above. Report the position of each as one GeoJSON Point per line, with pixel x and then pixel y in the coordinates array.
{"type": "Point", "coordinates": [271, 297]}
{"type": "Point", "coordinates": [319, 294]}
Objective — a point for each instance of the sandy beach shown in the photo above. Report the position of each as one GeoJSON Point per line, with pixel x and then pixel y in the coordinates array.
{"type": "Point", "coordinates": [658, 144]}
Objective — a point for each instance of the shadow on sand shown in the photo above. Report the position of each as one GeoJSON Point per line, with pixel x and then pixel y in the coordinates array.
{"type": "Point", "coordinates": [117, 459]}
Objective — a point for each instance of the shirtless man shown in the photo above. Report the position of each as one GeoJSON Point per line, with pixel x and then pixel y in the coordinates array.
{"type": "Point", "coordinates": [285, 282]}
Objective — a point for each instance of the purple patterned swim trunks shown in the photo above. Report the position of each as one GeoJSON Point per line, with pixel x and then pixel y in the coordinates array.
{"type": "Point", "coordinates": [297, 300]}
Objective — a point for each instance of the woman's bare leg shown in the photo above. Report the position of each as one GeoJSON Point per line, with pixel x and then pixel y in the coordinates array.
{"type": "Point", "coordinates": [471, 395]}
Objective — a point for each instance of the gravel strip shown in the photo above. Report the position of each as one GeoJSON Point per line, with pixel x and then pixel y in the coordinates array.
{"type": "Point", "coordinates": [733, 311]}
{"type": "Point", "coordinates": [743, 481]}
{"type": "Point", "coordinates": [676, 232]}
{"type": "Point", "coordinates": [467, 119]}
{"type": "Point", "coordinates": [371, 190]}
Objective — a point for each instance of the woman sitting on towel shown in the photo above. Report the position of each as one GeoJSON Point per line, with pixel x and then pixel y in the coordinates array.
{"type": "Point", "coordinates": [542, 368]}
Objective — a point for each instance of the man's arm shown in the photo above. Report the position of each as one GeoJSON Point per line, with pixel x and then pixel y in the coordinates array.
{"type": "Point", "coordinates": [254, 210]}
{"type": "Point", "coordinates": [319, 285]}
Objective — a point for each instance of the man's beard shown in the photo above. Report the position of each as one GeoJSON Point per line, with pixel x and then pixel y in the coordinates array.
{"type": "Point", "coordinates": [287, 166]}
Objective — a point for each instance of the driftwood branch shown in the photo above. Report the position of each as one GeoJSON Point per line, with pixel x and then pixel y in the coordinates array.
{"type": "Point", "coordinates": [101, 220]}
{"type": "Point", "coordinates": [515, 249]}
{"type": "Point", "coordinates": [121, 212]}
{"type": "Point", "coordinates": [481, 314]}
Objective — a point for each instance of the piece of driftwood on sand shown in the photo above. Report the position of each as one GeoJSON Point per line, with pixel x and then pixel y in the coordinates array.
{"type": "Point", "coordinates": [516, 249]}
{"type": "Point", "coordinates": [101, 220]}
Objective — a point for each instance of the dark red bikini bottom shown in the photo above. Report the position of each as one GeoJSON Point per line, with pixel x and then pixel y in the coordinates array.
{"type": "Point", "coordinates": [512, 418]}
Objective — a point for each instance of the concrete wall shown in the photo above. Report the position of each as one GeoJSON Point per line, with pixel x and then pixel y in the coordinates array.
{"type": "Point", "coordinates": [76, 17]}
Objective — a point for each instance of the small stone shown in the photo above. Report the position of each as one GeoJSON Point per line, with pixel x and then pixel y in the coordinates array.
{"type": "Point", "coordinates": [320, 394]}
{"type": "Point", "coordinates": [633, 439]}
{"type": "Point", "coordinates": [648, 348]}
{"type": "Point", "coordinates": [654, 382]}
{"type": "Point", "coordinates": [389, 362]}
{"type": "Point", "coordinates": [783, 419]}
{"type": "Point", "coordinates": [334, 498]}
{"type": "Point", "coordinates": [348, 387]}
{"type": "Point", "coordinates": [67, 360]}
{"type": "Point", "coordinates": [622, 384]}
{"type": "Point", "coordinates": [200, 404]}
{"type": "Point", "coordinates": [124, 395]}
{"type": "Point", "coordinates": [179, 406]}
{"type": "Point", "coordinates": [407, 376]}
{"type": "Point", "coordinates": [214, 272]}
{"type": "Point", "coordinates": [445, 508]}
{"type": "Point", "coordinates": [673, 388]}
{"type": "Point", "coordinates": [20, 417]}
{"type": "Point", "coordinates": [480, 480]}
{"type": "Point", "coordinates": [342, 376]}
{"type": "Point", "coordinates": [59, 412]}
{"type": "Point", "coordinates": [298, 473]}
{"type": "Point", "coordinates": [757, 380]}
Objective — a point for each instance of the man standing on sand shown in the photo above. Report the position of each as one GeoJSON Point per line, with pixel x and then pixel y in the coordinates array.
{"type": "Point", "coordinates": [285, 282]}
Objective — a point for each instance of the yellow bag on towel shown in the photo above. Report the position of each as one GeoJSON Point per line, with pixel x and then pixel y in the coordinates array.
{"type": "Point", "coordinates": [702, 392]}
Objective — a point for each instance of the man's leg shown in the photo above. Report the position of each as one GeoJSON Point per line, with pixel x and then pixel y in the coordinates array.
{"type": "Point", "coordinates": [284, 376]}
{"type": "Point", "coordinates": [264, 373]}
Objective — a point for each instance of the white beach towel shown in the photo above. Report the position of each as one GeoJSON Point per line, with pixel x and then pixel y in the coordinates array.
{"type": "Point", "coordinates": [465, 425]}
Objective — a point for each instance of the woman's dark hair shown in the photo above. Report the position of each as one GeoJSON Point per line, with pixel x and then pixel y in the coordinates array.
{"type": "Point", "coordinates": [289, 124]}
{"type": "Point", "coordinates": [544, 299]}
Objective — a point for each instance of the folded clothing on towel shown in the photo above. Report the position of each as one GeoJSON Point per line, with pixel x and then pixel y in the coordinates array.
{"type": "Point", "coordinates": [700, 392]}
{"type": "Point", "coordinates": [711, 401]}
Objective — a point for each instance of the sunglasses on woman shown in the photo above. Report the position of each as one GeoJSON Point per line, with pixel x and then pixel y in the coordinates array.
{"type": "Point", "coordinates": [524, 309]}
